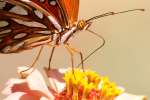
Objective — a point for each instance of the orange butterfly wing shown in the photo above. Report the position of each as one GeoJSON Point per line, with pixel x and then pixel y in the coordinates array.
{"type": "Point", "coordinates": [70, 10]}
{"type": "Point", "coordinates": [22, 30]}
{"type": "Point", "coordinates": [18, 36]}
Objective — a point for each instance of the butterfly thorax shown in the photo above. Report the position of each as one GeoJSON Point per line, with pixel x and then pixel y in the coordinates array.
{"type": "Point", "coordinates": [68, 33]}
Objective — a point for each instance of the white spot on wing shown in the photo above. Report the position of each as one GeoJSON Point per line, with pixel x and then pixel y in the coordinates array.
{"type": "Point", "coordinates": [2, 4]}
{"type": "Point", "coordinates": [13, 48]}
{"type": "Point", "coordinates": [5, 31]}
{"type": "Point", "coordinates": [17, 46]}
{"type": "Point", "coordinates": [6, 49]}
{"type": "Point", "coordinates": [44, 32]}
{"type": "Point", "coordinates": [41, 0]}
{"type": "Point", "coordinates": [26, 0]}
{"type": "Point", "coordinates": [30, 24]}
{"type": "Point", "coordinates": [19, 10]}
{"type": "Point", "coordinates": [21, 35]}
{"type": "Point", "coordinates": [38, 13]}
{"type": "Point", "coordinates": [3, 23]}
{"type": "Point", "coordinates": [53, 3]}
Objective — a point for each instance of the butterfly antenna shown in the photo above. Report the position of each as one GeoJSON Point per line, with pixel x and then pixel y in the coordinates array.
{"type": "Point", "coordinates": [112, 13]}
{"type": "Point", "coordinates": [95, 50]}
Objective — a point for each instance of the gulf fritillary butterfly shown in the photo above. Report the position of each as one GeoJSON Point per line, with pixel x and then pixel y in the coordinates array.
{"type": "Point", "coordinates": [41, 22]}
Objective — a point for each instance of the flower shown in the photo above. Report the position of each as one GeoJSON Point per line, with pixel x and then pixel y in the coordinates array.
{"type": "Point", "coordinates": [33, 87]}
{"type": "Point", "coordinates": [64, 85]}
{"type": "Point", "coordinates": [87, 85]}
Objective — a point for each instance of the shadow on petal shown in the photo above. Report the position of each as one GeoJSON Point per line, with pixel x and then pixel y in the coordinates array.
{"type": "Point", "coordinates": [22, 87]}
{"type": "Point", "coordinates": [57, 74]}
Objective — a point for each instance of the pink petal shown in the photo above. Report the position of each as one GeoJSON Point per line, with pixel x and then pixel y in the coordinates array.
{"type": "Point", "coordinates": [43, 98]}
{"type": "Point", "coordinates": [14, 85]}
{"type": "Point", "coordinates": [25, 96]}
{"type": "Point", "coordinates": [34, 85]}
{"type": "Point", "coordinates": [15, 96]}
{"type": "Point", "coordinates": [127, 96]}
{"type": "Point", "coordinates": [56, 79]}
{"type": "Point", "coordinates": [36, 82]}
{"type": "Point", "coordinates": [22, 96]}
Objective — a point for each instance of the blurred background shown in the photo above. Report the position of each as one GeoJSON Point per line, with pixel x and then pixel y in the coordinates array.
{"type": "Point", "coordinates": [124, 58]}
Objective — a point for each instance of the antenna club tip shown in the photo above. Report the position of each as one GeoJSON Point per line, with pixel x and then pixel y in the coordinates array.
{"type": "Point", "coordinates": [142, 9]}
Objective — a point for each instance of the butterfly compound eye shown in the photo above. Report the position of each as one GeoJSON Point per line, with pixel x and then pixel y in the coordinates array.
{"type": "Point", "coordinates": [81, 24]}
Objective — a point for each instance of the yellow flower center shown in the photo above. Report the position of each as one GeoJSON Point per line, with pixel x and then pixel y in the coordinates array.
{"type": "Point", "coordinates": [89, 85]}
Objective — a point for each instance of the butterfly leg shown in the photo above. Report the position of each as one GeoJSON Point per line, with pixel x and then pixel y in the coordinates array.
{"type": "Point", "coordinates": [72, 50]}
{"type": "Point", "coordinates": [50, 58]}
{"type": "Point", "coordinates": [22, 73]}
{"type": "Point", "coordinates": [52, 81]}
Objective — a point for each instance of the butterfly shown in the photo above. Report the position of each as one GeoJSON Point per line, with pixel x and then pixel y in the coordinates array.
{"type": "Point", "coordinates": [25, 24]}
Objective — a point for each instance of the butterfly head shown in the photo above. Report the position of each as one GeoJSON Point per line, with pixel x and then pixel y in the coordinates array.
{"type": "Point", "coordinates": [83, 25]}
